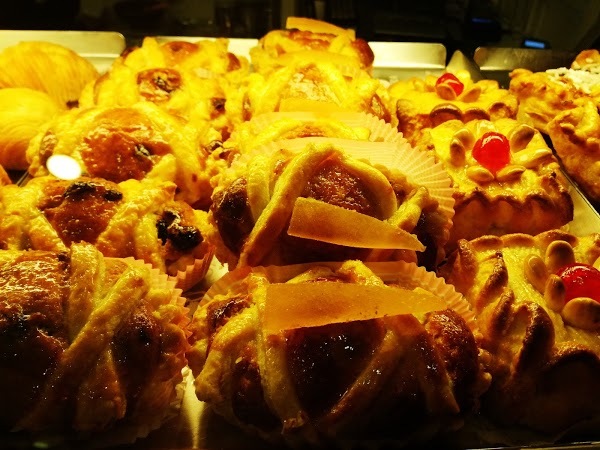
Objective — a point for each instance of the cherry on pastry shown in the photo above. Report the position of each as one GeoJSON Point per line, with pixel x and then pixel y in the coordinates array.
{"type": "Point", "coordinates": [492, 151]}
{"type": "Point", "coordinates": [451, 80]}
{"type": "Point", "coordinates": [580, 280]}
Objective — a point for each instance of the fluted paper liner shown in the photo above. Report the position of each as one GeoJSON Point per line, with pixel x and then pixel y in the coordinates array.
{"type": "Point", "coordinates": [193, 273]}
{"type": "Point", "coordinates": [407, 275]}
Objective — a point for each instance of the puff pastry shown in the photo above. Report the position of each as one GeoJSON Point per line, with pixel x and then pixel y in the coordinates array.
{"type": "Point", "coordinates": [87, 343]}
{"type": "Point", "coordinates": [545, 353]}
{"type": "Point", "coordinates": [139, 219]}
{"type": "Point", "coordinates": [401, 377]}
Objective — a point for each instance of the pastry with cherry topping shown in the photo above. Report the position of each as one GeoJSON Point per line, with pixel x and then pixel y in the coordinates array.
{"type": "Point", "coordinates": [536, 299]}
{"type": "Point", "coordinates": [421, 103]}
{"type": "Point", "coordinates": [318, 354]}
{"type": "Point", "coordinates": [505, 178]}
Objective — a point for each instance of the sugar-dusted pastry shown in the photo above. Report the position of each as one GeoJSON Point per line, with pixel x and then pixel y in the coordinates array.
{"type": "Point", "coordinates": [544, 95]}
{"type": "Point", "coordinates": [537, 305]}
{"type": "Point", "coordinates": [304, 85]}
{"type": "Point", "coordinates": [87, 344]}
{"type": "Point", "coordinates": [23, 111]}
{"type": "Point", "coordinates": [505, 178]}
{"type": "Point", "coordinates": [420, 103]}
{"type": "Point", "coordinates": [46, 67]}
{"type": "Point", "coordinates": [189, 79]}
{"type": "Point", "coordinates": [134, 142]}
{"type": "Point", "coordinates": [326, 199]}
{"type": "Point", "coordinates": [575, 136]}
{"type": "Point", "coordinates": [305, 39]}
{"type": "Point", "coordinates": [134, 218]}
{"type": "Point", "coordinates": [327, 352]}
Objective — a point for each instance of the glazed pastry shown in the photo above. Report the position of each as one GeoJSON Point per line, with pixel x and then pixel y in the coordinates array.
{"type": "Point", "coordinates": [136, 142]}
{"type": "Point", "coordinates": [134, 218]}
{"type": "Point", "coordinates": [399, 366]}
{"type": "Point", "coordinates": [87, 343]}
{"type": "Point", "coordinates": [310, 40]}
{"type": "Point", "coordinates": [308, 86]}
{"type": "Point", "coordinates": [4, 177]}
{"type": "Point", "coordinates": [316, 199]}
{"type": "Point", "coordinates": [51, 68]}
{"type": "Point", "coordinates": [190, 80]}
{"type": "Point", "coordinates": [425, 103]}
{"type": "Point", "coordinates": [575, 136]}
{"type": "Point", "coordinates": [505, 178]}
{"type": "Point", "coordinates": [23, 112]}
{"type": "Point", "coordinates": [544, 95]}
{"type": "Point", "coordinates": [538, 313]}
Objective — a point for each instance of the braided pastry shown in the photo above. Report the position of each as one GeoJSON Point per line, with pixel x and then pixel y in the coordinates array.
{"type": "Point", "coordinates": [134, 218]}
{"type": "Point", "coordinates": [343, 362]}
{"type": "Point", "coordinates": [87, 343]}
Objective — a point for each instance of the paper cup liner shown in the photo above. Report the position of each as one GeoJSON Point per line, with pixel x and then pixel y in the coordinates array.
{"type": "Point", "coordinates": [379, 129]}
{"type": "Point", "coordinates": [194, 273]}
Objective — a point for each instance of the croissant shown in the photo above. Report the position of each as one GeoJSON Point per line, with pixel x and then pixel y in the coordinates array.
{"type": "Point", "coordinates": [46, 67]}
{"type": "Point", "coordinates": [539, 324]}
{"type": "Point", "coordinates": [87, 343]}
{"type": "Point", "coordinates": [319, 353]}
{"type": "Point", "coordinates": [22, 112]}
{"type": "Point", "coordinates": [316, 199]}
{"type": "Point", "coordinates": [134, 218]}
{"type": "Point", "coordinates": [134, 142]}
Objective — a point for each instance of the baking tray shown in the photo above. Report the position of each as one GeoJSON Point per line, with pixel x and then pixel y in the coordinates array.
{"type": "Point", "coordinates": [195, 426]}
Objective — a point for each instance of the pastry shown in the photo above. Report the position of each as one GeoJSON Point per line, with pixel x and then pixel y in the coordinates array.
{"type": "Point", "coordinates": [272, 362]}
{"type": "Point", "coordinates": [419, 104]}
{"type": "Point", "coordinates": [543, 95]}
{"type": "Point", "coordinates": [538, 314]}
{"type": "Point", "coordinates": [505, 178]}
{"type": "Point", "coordinates": [186, 79]}
{"type": "Point", "coordinates": [23, 111]}
{"type": "Point", "coordinates": [575, 136]}
{"type": "Point", "coordinates": [134, 218]}
{"type": "Point", "coordinates": [87, 343]}
{"type": "Point", "coordinates": [46, 67]}
{"type": "Point", "coordinates": [4, 177]}
{"type": "Point", "coordinates": [316, 199]}
{"type": "Point", "coordinates": [310, 40]}
{"type": "Point", "coordinates": [135, 142]}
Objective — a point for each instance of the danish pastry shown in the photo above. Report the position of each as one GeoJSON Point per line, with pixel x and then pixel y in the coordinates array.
{"type": "Point", "coordinates": [533, 300]}
{"type": "Point", "coordinates": [336, 371]}
{"type": "Point", "coordinates": [135, 142]}
{"type": "Point", "coordinates": [87, 343]}
{"type": "Point", "coordinates": [138, 219]}
{"type": "Point", "coordinates": [505, 178]}
{"type": "Point", "coordinates": [419, 104]}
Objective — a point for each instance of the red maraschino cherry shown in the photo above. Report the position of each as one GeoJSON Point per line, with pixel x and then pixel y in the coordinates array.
{"type": "Point", "coordinates": [452, 81]}
{"type": "Point", "coordinates": [492, 151]}
{"type": "Point", "coordinates": [580, 280]}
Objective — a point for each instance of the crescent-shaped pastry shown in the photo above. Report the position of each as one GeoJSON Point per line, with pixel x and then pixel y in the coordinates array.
{"type": "Point", "coordinates": [87, 344]}
{"type": "Point", "coordinates": [356, 357]}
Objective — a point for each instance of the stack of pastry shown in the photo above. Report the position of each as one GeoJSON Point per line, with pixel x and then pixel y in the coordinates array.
{"type": "Point", "coordinates": [330, 202]}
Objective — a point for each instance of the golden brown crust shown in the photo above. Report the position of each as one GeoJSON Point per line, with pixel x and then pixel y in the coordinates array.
{"type": "Point", "coordinates": [97, 352]}
{"type": "Point", "coordinates": [539, 362]}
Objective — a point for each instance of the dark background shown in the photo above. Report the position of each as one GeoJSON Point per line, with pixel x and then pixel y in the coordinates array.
{"type": "Point", "coordinates": [458, 24]}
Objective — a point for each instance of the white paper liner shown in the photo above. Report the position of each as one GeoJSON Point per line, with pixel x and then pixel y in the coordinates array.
{"type": "Point", "coordinates": [379, 129]}
{"type": "Point", "coordinates": [193, 273]}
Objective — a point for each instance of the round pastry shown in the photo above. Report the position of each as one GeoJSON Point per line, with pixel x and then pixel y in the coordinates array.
{"type": "Point", "coordinates": [425, 103]}
{"type": "Point", "coordinates": [190, 80]}
{"type": "Point", "coordinates": [135, 142]}
{"type": "Point", "coordinates": [536, 302]}
{"type": "Point", "coordinates": [575, 136]}
{"type": "Point", "coordinates": [323, 353]}
{"type": "Point", "coordinates": [505, 178]}
{"type": "Point", "coordinates": [134, 218]}
{"type": "Point", "coordinates": [23, 112]}
{"type": "Point", "coordinates": [47, 67]}
{"type": "Point", "coordinates": [543, 95]}
{"type": "Point", "coordinates": [87, 343]}
{"type": "Point", "coordinates": [312, 40]}
{"type": "Point", "coordinates": [324, 199]}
